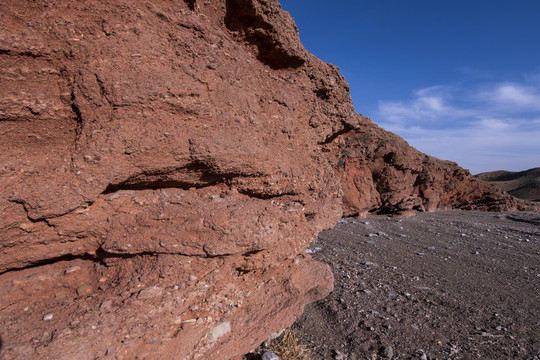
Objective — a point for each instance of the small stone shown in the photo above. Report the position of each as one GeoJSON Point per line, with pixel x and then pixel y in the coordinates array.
{"type": "Point", "coordinates": [372, 235]}
{"type": "Point", "coordinates": [149, 292]}
{"type": "Point", "coordinates": [387, 352]}
{"type": "Point", "coordinates": [219, 331]}
{"type": "Point", "coordinates": [110, 351]}
{"type": "Point", "coordinates": [62, 294]}
{"type": "Point", "coordinates": [48, 317]}
{"type": "Point", "coordinates": [420, 354]}
{"type": "Point", "coordinates": [65, 332]}
{"type": "Point", "coordinates": [313, 250]}
{"type": "Point", "coordinates": [72, 269]}
{"type": "Point", "coordinates": [27, 227]}
{"type": "Point", "coordinates": [339, 355]}
{"type": "Point", "coordinates": [269, 356]}
{"type": "Point", "coordinates": [84, 290]}
{"type": "Point", "coordinates": [107, 304]}
{"type": "Point", "coordinates": [192, 278]}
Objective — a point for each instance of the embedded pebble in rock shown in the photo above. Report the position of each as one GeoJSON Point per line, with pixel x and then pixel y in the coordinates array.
{"type": "Point", "coordinates": [84, 290]}
{"type": "Point", "coordinates": [47, 317]}
{"type": "Point", "coordinates": [149, 292]}
{"type": "Point", "coordinates": [219, 331]}
{"type": "Point", "coordinates": [107, 304]}
{"type": "Point", "coordinates": [72, 269]}
{"type": "Point", "coordinates": [269, 356]}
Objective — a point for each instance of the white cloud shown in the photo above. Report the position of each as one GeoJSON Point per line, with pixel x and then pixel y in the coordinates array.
{"type": "Point", "coordinates": [428, 104]}
{"type": "Point", "coordinates": [488, 127]}
{"type": "Point", "coordinates": [494, 124]}
{"type": "Point", "coordinates": [522, 98]}
{"type": "Point", "coordinates": [485, 145]}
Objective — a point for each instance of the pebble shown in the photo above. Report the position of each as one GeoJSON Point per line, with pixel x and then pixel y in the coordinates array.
{"type": "Point", "coordinates": [84, 290]}
{"type": "Point", "coordinates": [269, 356]}
{"type": "Point", "coordinates": [219, 331]}
{"type": "Point", "coordinates": [72, 269]}
{"type": "Point", "coordinates": [420, 354]}
{"type": "Point", "coordinates": [339, 355]}
{"type": "Point", "coordinates": [372, 235]}
{"type": "Point", "coordinates": [106, 304]}
{"type": "Point", "coordinates": [48, 317]}
{"type": "Point", "coordinates": [149, 292]}
{"type": "Point", "coordinates": [192, 278]}
{"type": "Point", "coordinates": [387, 352]}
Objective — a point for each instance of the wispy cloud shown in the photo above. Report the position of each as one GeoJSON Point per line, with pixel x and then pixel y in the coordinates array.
{"type": "Point", "coordinates": [486, 127]}
{"type": "Point", "coordinates": [427, 104]}
{"type": "Point", "coordinates": [512, 96]}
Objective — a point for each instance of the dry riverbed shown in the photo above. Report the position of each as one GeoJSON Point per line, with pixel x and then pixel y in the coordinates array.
{"type": "Point", "coordinates": [444, 285]}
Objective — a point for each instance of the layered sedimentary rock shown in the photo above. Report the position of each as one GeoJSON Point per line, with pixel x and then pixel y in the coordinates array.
{"type": "Point", "coordinates": [161, 174]}
{"type": "Point", "coordinates": [164, 165]}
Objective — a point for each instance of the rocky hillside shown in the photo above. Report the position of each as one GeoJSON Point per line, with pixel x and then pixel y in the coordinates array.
{"type": "Point", "coordinates": [521, 184]}
{"type": "Point", "coordinates": [165, 164]}
{"type": "Point", "coordinates": [381, 173]}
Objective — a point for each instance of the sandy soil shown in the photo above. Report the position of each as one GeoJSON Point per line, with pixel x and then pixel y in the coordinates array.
{"type": "Point", "coordinates": [445, 285]}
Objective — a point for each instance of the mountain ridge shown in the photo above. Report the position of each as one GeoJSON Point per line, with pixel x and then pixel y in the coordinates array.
{"type": "Point", "coordinates": [521, 184]}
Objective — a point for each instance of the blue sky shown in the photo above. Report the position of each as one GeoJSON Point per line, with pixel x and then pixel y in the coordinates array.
{"type": "Point", "coordinates": [459, 80]}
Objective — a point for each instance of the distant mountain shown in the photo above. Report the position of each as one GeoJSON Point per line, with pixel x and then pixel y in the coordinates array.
{"type": "Point", "coordinates": [522, 184]}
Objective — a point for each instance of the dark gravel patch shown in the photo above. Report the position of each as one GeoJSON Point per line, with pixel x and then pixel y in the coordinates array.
{"type": "Point", "coordinates": [445, 285]}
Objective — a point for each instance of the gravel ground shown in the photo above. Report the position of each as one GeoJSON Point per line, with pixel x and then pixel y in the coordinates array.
{"type": "Point", "coordinates": [444, 285]}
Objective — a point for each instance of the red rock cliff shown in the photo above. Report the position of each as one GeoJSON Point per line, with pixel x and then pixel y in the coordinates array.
{"type": "Point", "coordinates": [164, 165]}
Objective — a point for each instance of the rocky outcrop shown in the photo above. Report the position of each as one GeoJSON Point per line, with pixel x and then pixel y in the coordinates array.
{"type": "Point", "coordinates": [161, 174]}
{"type": "Point", "coordinates": [381, 173]}
{"type": "Point", "coordinates": [164, 166]}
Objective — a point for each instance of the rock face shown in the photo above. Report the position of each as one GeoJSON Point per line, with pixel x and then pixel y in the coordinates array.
{"type": "Point", "coordinates": [381, 173]}
{"type": "Point", "coordinates": [164, 165]}
{"type": "Point", "coordinates": [161, 174]}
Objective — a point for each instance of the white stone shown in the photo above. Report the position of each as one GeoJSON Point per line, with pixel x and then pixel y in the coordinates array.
{"type": "Point", "coordinates": [220, 330]}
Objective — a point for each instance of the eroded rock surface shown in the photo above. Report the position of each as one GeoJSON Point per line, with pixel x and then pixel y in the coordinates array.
{"type": "Point", "coordinates": [381, 173]}
{"type": "Point", "coordinates": [164, 165]}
